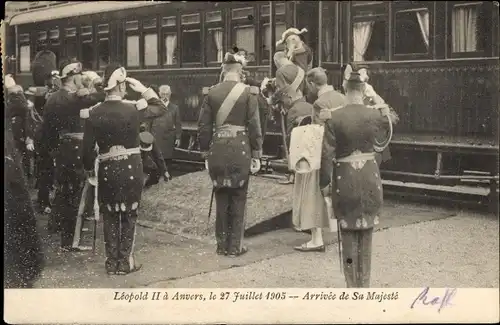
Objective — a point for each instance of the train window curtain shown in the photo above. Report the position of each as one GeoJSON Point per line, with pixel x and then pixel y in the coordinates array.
{"type": "Point", "coordinates": [170, 47]}
{"type": "Point", "coordinates": [423, 22]}
{"type": "Point", "coordinates": [464, 28]}
{"type": "Point", "coordinates": [362, 33]}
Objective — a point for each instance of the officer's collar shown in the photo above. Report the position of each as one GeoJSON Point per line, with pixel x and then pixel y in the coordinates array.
{"type": "Point", "coordinates": [113, 97]}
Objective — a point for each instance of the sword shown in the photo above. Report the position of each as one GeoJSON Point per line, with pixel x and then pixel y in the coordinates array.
{"type": "Point", "coordinates": [79, 216]}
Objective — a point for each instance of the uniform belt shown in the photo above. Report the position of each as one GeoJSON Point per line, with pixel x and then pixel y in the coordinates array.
{"type": "Point", "coordinates": [357, 157]}
{"type": "Point", "coordinates": [229, 131]}
{"type": "Point", "coordinates": [73, 136]}
{"type": "Point", "coordinates": [114, 152]}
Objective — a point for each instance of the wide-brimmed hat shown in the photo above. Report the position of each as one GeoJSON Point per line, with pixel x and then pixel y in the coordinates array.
{"type": "Point", "coordinates": [114, 74]}
{"type": "Point", "coordinates": [289, 32]}
{"type": "Point", "coordinates": [234, 58]}
{"type": "Point", "coordinates": [68, 68]}
{"type": "Point", "coordinates": [147, 140]}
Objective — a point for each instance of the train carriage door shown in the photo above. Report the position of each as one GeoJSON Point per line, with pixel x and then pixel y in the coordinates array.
{"type": "Point", "coordinates": [306, 15]}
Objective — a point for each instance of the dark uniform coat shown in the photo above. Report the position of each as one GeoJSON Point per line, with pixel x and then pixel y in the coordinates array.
{"type": "Point", "coordinates": [166, 129]}
{"type": "Point", "coordinates": [356, 186]}
{"type": "Point", "coordinates": [263, 105]}
{"type": "Point", "coordinates": [229, 157]}
{"type": "Point", "coordinates": [117, 123]}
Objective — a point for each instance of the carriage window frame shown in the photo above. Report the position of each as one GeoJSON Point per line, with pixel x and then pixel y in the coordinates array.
{"type": "Point", "coordinates": [243, 22]}
{"type": "Point", "coordinates": [280, 18]}
{"type": "Point", "coordinates": [149, 26]}
{"type": "Point", "coordinates": [24, 40]}
{"type": "Point", "coordinates": [219, 24]}
{"type": "Point", "coordinates": [167, 28]}
{"type": "Point", "coordinates": [381, 14]}
{"type": "Point", "coordinates": [132, 29]}
{"type": "Point", "coordinates": [484, 12]}
{"type": "Point", "coordinates": [86, 36]}
{"type": "Point", "coordinates": [186, 27]}
{"type": "Point", "coordinates": [331, 10]}
{"type": "Point", "coordinates": [103, 34]}
{"type": "Point", "coordinates": [414, 6]}
{"type": "Point", "coordinates": [71, 37]}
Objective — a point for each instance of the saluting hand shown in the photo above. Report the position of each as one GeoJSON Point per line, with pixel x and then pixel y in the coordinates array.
{"type": "Point", "coordinates": [136, 85]}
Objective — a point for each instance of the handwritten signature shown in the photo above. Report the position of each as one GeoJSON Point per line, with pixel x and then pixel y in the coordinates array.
{"type": "Point", "coordinates": [424, 298]}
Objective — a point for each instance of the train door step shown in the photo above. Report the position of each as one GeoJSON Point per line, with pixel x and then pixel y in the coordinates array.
{"type": "Point", "coordinates": [181, 206]}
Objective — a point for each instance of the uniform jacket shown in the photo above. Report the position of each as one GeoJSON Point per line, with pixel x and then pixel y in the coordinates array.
{"type": "Point", "coordinates": [356, 186]}
{"type": "Point", "coordinates": [166, 129]}
{"type": "Point", "coordinates": [153, 160]}
{"type": "Point", "coordinates": [296, 112]}
{"type": "Point", "coordinates": [62, 115]}
{"type": "Point", "coordinates": [229, 157]}
{"type": "Point", "coordinates": [328, 99]}
{"type": "Point", "coordinates": [17, 113]}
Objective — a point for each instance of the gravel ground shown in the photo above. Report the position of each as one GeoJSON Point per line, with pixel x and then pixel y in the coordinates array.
{"type": "Point", "coordinates": [456, 252]}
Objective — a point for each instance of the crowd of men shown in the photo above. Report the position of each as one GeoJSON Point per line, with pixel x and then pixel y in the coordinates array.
{"type": "Point", "coordinates": [86, 133]}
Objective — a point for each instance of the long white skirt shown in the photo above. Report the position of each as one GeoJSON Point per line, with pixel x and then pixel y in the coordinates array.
{"type": "Point", "coordinates": [309, 208]}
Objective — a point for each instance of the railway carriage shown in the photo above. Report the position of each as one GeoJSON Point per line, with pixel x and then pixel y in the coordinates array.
{"type": "Point", "coordinates": [435, 62]}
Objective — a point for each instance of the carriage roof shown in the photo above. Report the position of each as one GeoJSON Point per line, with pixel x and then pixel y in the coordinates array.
{"type": "Point", "coordinates": [73, 9]}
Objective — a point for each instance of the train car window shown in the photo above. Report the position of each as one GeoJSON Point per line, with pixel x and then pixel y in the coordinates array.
{"type": "Point", "coordinates": [411, 29]}
{"type": "Point", "coordinates": [244, 39]}
{"type": "Point", "coordinates": [87, 41]}
{"type": "Point", "coordinates": [151, 50]}
{"type": "Point", "coordinates": [54, 36]}
{"type": "Point", "coordinates": [279, 9]}
{"type": "Point", "coordinates": [242, 13]}
{"type": "Point", "coordinates": [369, 40]}
{"type": "Point", "coordinates": [329, 29]}
{"type": "Point", "coordinates": [214, 44]}
{"type": "Point", "coordinates": [132, 25]}
{"type": "Point", "coordinates": [133, 51]}
{"type": "Point", "coordinates": [280, 27]}
{"type": "Point", "coordinates": [170, 40]}
{"type": "Point", "coordinates": [41, 41]}
{"type": "Point", "coordinates": [148, 24]}
{"type": "Point", "coordinates": [469, 28]}
{"type": "Point", "coordinates": [24, 53]}
{"type": "Point", "coordinates": [191, 46]}
{"type": "Point", "coordinates": [191, 39]}
{"type": "Point", "coordinates": [70, 43]}
{"type": "Point", "coordinates": [103, 47]}
{"type": "Point", "coordinates": [213, 16]}
{"type": "Point", "coordinates": [169, 21]}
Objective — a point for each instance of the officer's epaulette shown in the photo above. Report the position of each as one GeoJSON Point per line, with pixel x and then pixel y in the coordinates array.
{"type": "Point", "coordinates": [207, 89]}
{"type": "Point", "coordinates": [85, 113]}
{"type": "Point", "coordinates": [254, 90]}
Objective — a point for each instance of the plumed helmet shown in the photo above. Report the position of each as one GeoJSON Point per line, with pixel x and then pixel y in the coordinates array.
{"type": "Point", "coordinates": [114, 74]}
{"type": "Point", "coordinates": [289, 32]}
{"type": "Point", "coordinates": [356, 73]}
{"type": "Point", "coordinates": [234, 58]}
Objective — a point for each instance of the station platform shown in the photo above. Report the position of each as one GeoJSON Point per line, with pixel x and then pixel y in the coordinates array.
{"type": "Point", "coordinates": [181, 206]}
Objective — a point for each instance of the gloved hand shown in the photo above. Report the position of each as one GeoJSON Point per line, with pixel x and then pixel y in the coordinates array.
{"type": "Point", "coordinates": [29, 145]}
{"type": "Point", "coordinates": [177, 142]}
{"type": "Point", "coordinates": [255, 166]}
{"type": "Point", "coordinates": [206, 164]}
{"type": "Point", "coordinates": [166, 176]}
{"type": "Point", "coordinates": [136, 85]}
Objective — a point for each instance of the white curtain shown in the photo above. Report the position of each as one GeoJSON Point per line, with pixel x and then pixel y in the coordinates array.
{"type": "Point", "coordinates": [218, 42]}
{"type": "Point", "coordinates": [464, 29]}
{"type": "Point", "coordinates": [327, 44]}
{"type": "Point", "coordinates": [133, 51]}
{"type": "Point", "coordinates": [25, 59]}
{"type": "Point", "coordinates": [423, 21]}
{"type": "Point", "coordinates": [151, 49]}
{"type": "Point", "coordinates": [170, 46]}
{"type": "Point", "coordinates": [245, 39]}
{"type": "Point", "coordinates": [362, 33]}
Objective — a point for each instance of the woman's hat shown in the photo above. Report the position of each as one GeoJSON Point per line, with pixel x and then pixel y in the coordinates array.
{"type": "Point", "coordinates": [233, 58]}
{"type": "Point", "coordinates": [289, 32]}
{"type": "Point", "coordinates": [114, 74]}
{"type": "Point", "coordinates": [69, 68]}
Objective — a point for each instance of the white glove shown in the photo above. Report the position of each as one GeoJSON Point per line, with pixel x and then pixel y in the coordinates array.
{"type": "Point", "coordinates": [177, 142]}
{"type": "Point", "coordinates": [255, 166]}
{"type": "Point", "coordinates": [206, 164]}
{"type": "Point", "coordinates": [29, 145]}
{"type": "Point", "coordinates": [136, 85]}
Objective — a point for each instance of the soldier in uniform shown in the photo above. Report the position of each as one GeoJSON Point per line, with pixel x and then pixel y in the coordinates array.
{"type": "Point", "coordinates": [328, 98]}
{"type": "Point", "coordinates": [350, 174]}
{"type": "Point", "coordinates": [232, 152]}
{"type": "Point", "coordinates": [152, 159]}
{"type": "Point", "coordinates": [62, 135]}
{"type": "Point", "coordinates": [114, 126]}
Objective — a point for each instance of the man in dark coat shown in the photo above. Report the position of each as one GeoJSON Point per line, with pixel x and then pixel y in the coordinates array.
{"type": "Point", "coordinates": [114, 126]}
{"type": "Point", "coordinates": [350, 175]}
{"type": "Point", "coordinates": [23, 257]}
{"type": "Point", "coordinates": [152, 159]}
{"type": "Point", "coordinates": [167, 130]}
{"type": "Point", "coordinates": [62, 135]}
{"type": "Point", "coordinates": [232, 152]}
